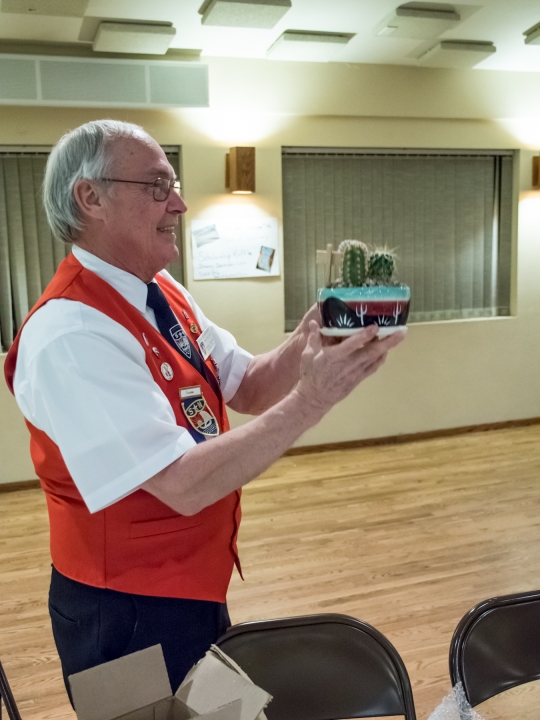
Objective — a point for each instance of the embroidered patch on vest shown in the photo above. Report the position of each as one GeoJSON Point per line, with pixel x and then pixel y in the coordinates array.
{"type": "Point", "coordinates": [200, 416]}
{"type": "Point", "coordinates": [181, 340]}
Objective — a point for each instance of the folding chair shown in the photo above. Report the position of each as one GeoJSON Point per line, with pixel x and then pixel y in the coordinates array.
{"type": "Point", "coordinates": [6, 696]}
{"type": "Point", "coordinates": [322, 667]}
{"type": "Point", "coordinates": [496, 646]}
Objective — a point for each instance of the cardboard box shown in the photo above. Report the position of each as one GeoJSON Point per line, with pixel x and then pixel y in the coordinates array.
{"type": "Point", "coordinates": [136, 687]}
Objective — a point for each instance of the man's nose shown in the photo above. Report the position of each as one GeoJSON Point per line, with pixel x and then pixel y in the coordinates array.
{"type": "Point", "coordinates": [176, 204]}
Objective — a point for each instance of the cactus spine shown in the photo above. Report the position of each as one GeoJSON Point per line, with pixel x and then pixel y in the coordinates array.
{"type": "Point", "coordinates": [381, 266]}
{"type": "Point", "coordinates": [355, 263]}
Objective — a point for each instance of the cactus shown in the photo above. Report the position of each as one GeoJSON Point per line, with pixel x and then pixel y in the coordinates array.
{"type": "Point", "coordinates": [381, 266]}
{"type": "Point", "coordinates": [355, 256]}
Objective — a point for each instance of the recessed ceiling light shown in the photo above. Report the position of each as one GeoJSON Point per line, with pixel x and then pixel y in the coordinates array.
{"type": "Point", "coordinates": [532, 35]}
{"type": "Point", "coordinates": [243, 13]}
{"type": "Point", "coordinates": [419, 20]}
{"type": "Point", "coordinates": [139, 38]}
{"type": "Point", "coordinates": [457, 53]}
{"type": "Point", "coordinates": [307, 45]}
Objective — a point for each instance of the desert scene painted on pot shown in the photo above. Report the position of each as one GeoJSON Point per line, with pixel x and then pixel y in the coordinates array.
{"type": "Point", "coordinates": [365, 292]}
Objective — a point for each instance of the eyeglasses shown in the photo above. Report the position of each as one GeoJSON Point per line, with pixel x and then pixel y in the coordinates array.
{"type": "Point", "coordinates": [162, 186]}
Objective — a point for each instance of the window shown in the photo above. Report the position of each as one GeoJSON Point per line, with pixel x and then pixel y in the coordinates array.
{"type": "Point", "coordinates": [448, 215]}
{"type": "Point", "coordinates": [29, 255]}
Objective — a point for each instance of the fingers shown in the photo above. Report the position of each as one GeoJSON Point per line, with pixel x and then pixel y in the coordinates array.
{"type": "Point", "coordinates": [361, 339]}
{"type": "Point", "coordinates": [314, 341]}
{"type": "Point", "coordinates": [392, 340]}
{"type": "Point", "coordinates": [374, 366]}
{"type": "Point", "coordinates": [312, 314]}
{"type": "Point", "coordinates": [357, 341]}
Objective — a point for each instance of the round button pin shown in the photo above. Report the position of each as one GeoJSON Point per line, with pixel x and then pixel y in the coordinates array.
{"type": "Point", "coordinates": [193, 328]}
{"type": "Point", "coordinates": [167, 371]}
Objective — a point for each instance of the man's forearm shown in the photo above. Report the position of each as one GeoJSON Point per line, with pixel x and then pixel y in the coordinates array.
{"type": "Point", "coordinates": [269, 377]}
{"type": "Point", "coordinates": [213, 469]}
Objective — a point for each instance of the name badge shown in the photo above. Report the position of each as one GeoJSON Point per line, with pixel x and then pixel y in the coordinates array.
{"type": "Point", "coordinates": [206, 342]}
{"type": "Point", "coordinates": [193, 391]}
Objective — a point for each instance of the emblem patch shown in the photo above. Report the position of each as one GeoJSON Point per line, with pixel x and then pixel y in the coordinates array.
{"type": "Point", "coordinates": [181, 340]}
{"type": "Point", "coordinates": [200, 416]}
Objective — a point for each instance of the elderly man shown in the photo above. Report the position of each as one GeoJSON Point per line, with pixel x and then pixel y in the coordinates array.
{"type": "Point", "coordinates": [123, 381]}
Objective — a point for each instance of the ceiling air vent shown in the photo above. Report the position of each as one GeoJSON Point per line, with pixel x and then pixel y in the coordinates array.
{"type": "Point", "coordinates": [60, 8]}
{"type": "Point", "coordinates": [457, 54]}
{"type": "Point", "coordinates": [84, 82]}
{"type": "Point", "coordinates": [136, 38]}
{"type": "Point", "coordinates": [243, 13]}
{"type": "Point", "coordinates": [419, 20]}
{"type": "Point", "coordinates": [307, 45]}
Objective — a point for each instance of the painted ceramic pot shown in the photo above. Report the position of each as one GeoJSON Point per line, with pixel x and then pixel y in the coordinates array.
{"type": "Point", "coordinates": [348, 310]}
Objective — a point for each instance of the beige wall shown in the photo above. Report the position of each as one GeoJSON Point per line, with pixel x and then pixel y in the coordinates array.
{"type": "Point", "coordinates": [446, 374]}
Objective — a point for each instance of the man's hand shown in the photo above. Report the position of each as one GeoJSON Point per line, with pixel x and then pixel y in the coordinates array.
{"type": "Point", "coordinates": [329, 373]}
{"type": "Point", "coordinates": [272, 375]}
{"type": "Point", "coordinates": [211, 470]}
{"type": "Point", "coordinates": [303, 329]}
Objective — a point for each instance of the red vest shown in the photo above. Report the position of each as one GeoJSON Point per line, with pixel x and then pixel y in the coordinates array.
{"type": "Point", "coordinates": [137, 545]}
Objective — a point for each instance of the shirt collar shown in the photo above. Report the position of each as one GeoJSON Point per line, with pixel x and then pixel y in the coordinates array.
{"type": "Point", "coordinates": [129, 286]}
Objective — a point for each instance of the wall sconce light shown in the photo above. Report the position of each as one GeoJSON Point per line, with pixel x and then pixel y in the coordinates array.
{"type": "Point", "coordinates": [536, 172]}
{"type": "Point", "coordinates": [240, 170]}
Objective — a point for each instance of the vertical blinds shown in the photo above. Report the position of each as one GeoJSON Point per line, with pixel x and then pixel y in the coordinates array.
{"type": "Point", "coordinates": [448, 216]}
{"type": "Point", "coordinates": [29, 254]}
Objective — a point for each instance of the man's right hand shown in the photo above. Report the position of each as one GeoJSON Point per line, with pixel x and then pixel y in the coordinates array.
{"type": "Point", "coordinates": [329, 373]}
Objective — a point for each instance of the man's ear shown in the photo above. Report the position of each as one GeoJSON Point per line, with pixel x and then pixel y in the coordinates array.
{"type": "Point", "coordinates": [89, 198]}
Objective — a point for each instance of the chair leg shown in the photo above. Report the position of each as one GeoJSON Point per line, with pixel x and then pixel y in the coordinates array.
{"type": "Point", "coordinates": [7, 696]}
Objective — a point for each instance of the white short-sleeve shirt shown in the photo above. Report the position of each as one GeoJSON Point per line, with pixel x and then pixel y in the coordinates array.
{"type": "Point", "coordinates": [82, 379]}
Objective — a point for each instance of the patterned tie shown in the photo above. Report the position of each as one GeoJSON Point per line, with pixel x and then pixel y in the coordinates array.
{"type": "Point", "coordinates": [174, 334]}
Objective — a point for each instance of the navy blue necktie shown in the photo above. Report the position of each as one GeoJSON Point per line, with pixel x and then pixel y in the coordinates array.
{"type": "Point", "coordinates": [174, 334]}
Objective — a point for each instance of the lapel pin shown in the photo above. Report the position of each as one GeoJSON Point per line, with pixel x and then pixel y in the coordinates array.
{"type": "Point", "coordinates": [167, 371]}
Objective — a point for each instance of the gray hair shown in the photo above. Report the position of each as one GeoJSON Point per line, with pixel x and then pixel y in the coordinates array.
{"type": "Point", "coordinates": [83, 153]}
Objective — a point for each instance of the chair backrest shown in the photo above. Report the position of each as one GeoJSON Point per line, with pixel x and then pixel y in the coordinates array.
{"type": "Point", "coordinates": [496, 646]}
{"type": "Point", "coordinates": [6, 696]}
{"type": "Point", "coordinates": [322, 667]}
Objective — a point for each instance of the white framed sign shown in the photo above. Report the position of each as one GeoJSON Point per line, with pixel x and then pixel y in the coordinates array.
{"type": "Point", "coordinates": [234, 248]}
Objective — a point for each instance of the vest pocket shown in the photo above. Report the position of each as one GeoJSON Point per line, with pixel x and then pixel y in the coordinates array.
{"type": "Point", "coordinates": [146, 528]}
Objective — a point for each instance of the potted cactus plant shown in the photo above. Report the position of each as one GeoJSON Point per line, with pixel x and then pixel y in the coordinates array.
{"type": "Point", "coordinates": [365, 293]}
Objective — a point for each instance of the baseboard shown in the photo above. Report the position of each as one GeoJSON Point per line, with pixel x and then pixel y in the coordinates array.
{"type": "Point", "coordinates": [351, 444]}
{"type": "Point", "coordinates": [411, 437]}
{"type": "Point", "coordinates": [22, 485]}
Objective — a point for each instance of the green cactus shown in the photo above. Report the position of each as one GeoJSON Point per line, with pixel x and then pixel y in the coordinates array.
{"type": "Point", "coordinates": [355, 262]}
{"type": "Point", "coordinates": [381, 266]}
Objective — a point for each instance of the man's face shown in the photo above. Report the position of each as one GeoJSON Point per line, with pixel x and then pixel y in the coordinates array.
{"type": "Point", "coordinates": [140, 231]}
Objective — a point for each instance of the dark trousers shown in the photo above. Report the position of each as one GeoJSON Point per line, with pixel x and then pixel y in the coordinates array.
{"type": "Point", "coordinates": [93, 625]}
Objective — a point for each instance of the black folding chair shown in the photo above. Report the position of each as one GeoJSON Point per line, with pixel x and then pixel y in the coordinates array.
{"type": "Point", "coordinates": [6, 696]}
{"type": "Point", "coordinates": [322, 667]}
{"type": "Point", "coordinates": [496, 646]}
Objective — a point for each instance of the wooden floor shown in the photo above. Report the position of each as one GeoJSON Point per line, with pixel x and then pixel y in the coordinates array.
{"type": "Point", "coordinates": [406, 537]}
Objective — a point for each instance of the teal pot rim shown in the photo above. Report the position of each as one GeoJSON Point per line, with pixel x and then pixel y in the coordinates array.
{"type": "Point", "coordinates": [373, 292]}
